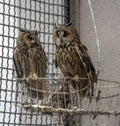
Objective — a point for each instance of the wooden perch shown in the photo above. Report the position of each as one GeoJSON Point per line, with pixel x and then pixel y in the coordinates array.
{"type": "Point", "coordinates": [74, 110]}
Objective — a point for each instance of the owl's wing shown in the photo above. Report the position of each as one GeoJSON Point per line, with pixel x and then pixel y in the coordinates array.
{"type": "Point", "coordinates": [20, 63]}
{"type": "Point", "coordinates": [17, 63]}
{"type": "Point", "coordinates": [87, 63]}
{"type": "Point", "coordinates": [55, 60]}
{"type": "Point", "coordinates": [40, 62]}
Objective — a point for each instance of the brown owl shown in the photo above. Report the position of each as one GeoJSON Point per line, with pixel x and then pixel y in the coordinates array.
{"type": "Point", "coordinates": [30, 60]}
{"type": "Point", "coordinates": [72, 57]}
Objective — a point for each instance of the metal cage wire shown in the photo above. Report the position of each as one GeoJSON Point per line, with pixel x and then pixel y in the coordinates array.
{"type": "Point", "coordinates": [17, 108]}
{"type": "Point", "coordinates": [28, 14]}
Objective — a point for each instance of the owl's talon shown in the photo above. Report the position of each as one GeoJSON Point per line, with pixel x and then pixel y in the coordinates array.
{"type": "Point", "coordinates": [35, 77]}
{"type": "Point", "coordinates": [76, 78]}
{"type": "Point", "coordinates": [32, 77]}
{"type": "Point", "coordinates": [28, 78]}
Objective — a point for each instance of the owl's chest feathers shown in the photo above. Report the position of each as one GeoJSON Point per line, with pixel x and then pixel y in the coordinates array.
{"type": "Point", "coordinates": [28, 55]}
{"type": "Point", "coordinates": [31, 59]}
{"type": "Point", "coordinates": [31, 53]}
{"type": "Point", "coordinates": [68, 60]}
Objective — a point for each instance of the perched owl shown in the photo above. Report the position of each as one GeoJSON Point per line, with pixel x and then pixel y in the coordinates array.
{"type": "Point", "coordinates": [30, 60]}
{"type": "Point", "coordinates": [72, 57]}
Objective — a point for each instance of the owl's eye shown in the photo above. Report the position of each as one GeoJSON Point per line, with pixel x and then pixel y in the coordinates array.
{"type": "Point", "coordinates": [30, 37]}
{"type": "Point", "coordinates": [65, 34]}
{"type": "Point", "coordinates": [57, 33]}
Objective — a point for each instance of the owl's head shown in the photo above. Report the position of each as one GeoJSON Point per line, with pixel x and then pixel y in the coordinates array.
{"type": "Point", "coordinates": [64, 35]}
{"type": "Point", "coordinates": [28, 37]}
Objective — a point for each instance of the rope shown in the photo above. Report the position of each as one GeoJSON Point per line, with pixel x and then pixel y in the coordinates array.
{"type": "Point", "coordinates": [96, 34]}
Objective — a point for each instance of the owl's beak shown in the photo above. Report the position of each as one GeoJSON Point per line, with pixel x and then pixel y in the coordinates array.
{"type": "Point", "coordinates": [33, 41]}
{"type": "Point", "coordinates": [61, 43]}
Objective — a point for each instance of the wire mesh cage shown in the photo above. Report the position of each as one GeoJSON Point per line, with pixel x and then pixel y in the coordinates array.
{"type": "Point", "coordinates": [18, 105]}
{"type": "Point", "coordinates": [28, 14]}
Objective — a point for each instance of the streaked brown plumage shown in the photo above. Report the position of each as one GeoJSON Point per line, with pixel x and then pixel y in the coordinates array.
{"type": "Point", "coordinates": [30, 60]}
{"type": "Point", "coordinates": [72, 57]}
{"type": "Point", "coordinates": [62, 95]}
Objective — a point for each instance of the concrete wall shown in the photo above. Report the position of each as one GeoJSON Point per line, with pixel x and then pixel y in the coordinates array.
{"type": "Point", "coordinates": [107, 18]}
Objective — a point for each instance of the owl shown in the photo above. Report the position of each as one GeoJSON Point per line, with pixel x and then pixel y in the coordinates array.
{"type": "Point", "coordinates": [72, 57]}
{"type": "Point", "coordinates": [30, 61]}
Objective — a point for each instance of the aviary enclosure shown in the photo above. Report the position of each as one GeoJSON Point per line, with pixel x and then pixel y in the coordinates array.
{"type": "Point", "coordinates": [17, 108]}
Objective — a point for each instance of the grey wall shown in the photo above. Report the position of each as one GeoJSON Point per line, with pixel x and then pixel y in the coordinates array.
{"type": "Point", "coordinates": [107, 18]}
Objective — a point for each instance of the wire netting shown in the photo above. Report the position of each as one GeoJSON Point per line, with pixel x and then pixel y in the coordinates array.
{"type": "Point", "coordinates": [27, 14]}
{"type": "Point", "coordinates": [16, 106]}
